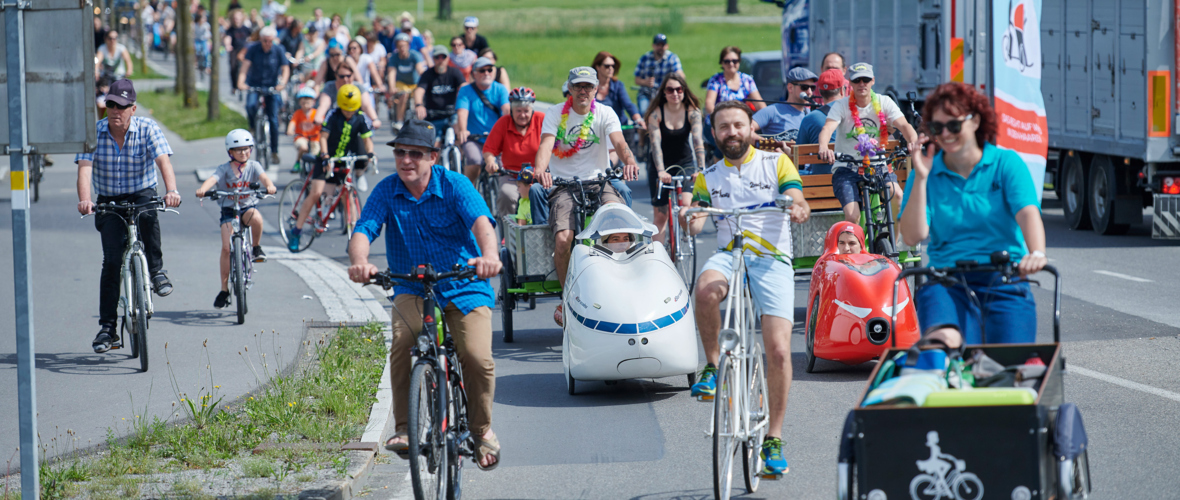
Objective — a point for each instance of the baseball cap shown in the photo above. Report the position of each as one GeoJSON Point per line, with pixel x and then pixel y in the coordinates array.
{"type": "Point", "coordinates": [831, 79]}
{"type": "Point", "coordinates": [415, 133]}
{"type": "Point", "coordinates": [582, 74]}
{"type": "Point", "coordinates": [660, 39]}
{"type": "Point", "coordinates": [800, 74]}
{"type": "Point", "coordinates": [407, 24]}
{"type": "Point", "coordinates": [439, 50]}
{"type": "Point", "coordinates": [860, 70]}
{"type": "Point", "coordinates": [483, 61]}
{"type": "Point", "coordinates": [401, 37]}
{"type": "Point", "coordinates": [471, 22]}
{"type": "Point", "coordinates": [122, 92]}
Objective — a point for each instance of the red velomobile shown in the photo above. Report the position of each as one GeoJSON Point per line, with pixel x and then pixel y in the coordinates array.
{"type": "Point", "coordinates": [850, 300]}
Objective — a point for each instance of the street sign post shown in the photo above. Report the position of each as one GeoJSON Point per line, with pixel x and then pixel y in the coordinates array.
{"type": "Point", "coordinates": [57, 73]}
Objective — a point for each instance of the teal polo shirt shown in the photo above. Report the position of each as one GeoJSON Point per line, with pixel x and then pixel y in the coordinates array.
{"type": "Point", "coordinates": [973, 217]}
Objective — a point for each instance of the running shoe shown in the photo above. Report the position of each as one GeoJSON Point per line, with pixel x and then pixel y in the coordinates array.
{"type": "Point", "coordinates": [259, 255]}
{"type": "Point", "coordinates": [772, 456]}
{"type": "Point", "coordinates": [222, 300]}
{"type": "Point", "coordinates": [293, 242]}
{"type": "Point", "coordinates": [706, 383]}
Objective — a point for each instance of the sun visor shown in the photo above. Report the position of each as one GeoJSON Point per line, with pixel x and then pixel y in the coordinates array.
{"type": "Point", "coordinates": [616, 218]}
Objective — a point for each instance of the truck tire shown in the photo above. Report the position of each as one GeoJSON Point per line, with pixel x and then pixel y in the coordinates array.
{"type": "Point", "coordinates": [1102, 194]}
{"type": "Point", "coordinates": [1073, 192]}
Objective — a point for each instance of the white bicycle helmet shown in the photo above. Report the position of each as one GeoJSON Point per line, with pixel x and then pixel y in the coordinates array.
{"type": "Point", "coordinates": [237, 138]}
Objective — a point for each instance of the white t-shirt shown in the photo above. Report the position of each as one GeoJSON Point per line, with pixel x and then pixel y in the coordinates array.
{"type": "Point", "coordinates": [363, 69]}
{"type": "Point", "coordinates": [845, 137]}
{"type": "Point", "coordinates": [595, 155]}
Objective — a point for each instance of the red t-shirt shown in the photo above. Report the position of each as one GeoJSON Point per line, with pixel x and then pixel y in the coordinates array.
{"type": "Point", "coordinates": [512, 147]}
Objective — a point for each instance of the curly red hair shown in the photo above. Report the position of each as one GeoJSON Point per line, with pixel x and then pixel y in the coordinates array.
{"type": "Point", "coordinates": [959, 99]}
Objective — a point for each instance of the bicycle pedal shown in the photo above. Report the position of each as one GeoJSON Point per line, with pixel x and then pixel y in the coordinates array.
{"type": "Point", "coordinates": [703, 398]}
{"type": "Point", "coordinates": [770, 477]}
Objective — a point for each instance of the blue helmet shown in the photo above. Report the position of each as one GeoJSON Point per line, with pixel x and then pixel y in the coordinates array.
{"type": "Point", "coordinates": [305, 92]}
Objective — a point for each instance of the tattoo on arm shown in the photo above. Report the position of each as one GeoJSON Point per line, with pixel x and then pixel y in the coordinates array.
{"type": "Point", "coordinates": [653, 133]}
{"type": "Point", "coordinates": [698, 138]}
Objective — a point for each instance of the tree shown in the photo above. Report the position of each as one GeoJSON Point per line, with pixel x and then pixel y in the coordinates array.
{"type": "Point", "coordinates": [732, 7]}
{"type": "Point", "coordinates": [444, 9]}
{"type": "Point", "coordinates": [213, 102]}
{"type": "Point", "coordinates": [144, 32]}
{"type": "Point", "coordinates": [186, 55]}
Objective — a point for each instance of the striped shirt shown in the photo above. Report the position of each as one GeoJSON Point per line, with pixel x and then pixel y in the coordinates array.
{"type": "Point", "coordinates": [434, 229]}
{"type": "Point", "coordinates": [131, 168]}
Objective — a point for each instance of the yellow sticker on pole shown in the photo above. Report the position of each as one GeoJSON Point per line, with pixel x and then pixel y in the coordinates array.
{"type": "Point", "coordinates": [17, 180]}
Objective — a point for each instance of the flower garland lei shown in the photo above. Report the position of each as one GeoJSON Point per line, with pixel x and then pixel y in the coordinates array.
{"type": "Point", "coordinates": [583, 135]}
{"type": "Point", "coordinates": [866, 144]}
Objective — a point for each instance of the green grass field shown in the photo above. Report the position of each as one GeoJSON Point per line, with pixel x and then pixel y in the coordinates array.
{"type": "Point", "coordinates": [189, 124]}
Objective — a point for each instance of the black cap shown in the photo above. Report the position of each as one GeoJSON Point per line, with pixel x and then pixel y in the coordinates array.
{"type": "Point", "coordinates": [660, 39]}
{"type": "Point", "coordinates": [415, 133]}
{"type": "Point", "coordinates": [122, 92]}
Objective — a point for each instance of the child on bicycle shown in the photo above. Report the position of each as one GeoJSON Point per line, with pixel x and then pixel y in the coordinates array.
{"type": "Point", "coordinates": [345, 133]}
{"type": "Point", "coordinates": [239, 172]}
{"type": "Point", "coordinates": [303, 127]}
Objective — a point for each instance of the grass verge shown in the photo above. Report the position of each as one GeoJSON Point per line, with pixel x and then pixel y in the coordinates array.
{"type": "Point", "coordinates": [151, 73]}
{"type": "Point", "coordinates": [190, 124]}
{"type": "Point", "coordinates": [324, 401]}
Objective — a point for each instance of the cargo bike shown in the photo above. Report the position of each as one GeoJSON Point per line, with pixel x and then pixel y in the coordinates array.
{"type": "Point", "coordinates": [1021, 443]}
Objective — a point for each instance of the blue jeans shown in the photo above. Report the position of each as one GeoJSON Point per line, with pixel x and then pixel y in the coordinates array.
{"type": "Point", "coordinates": [1009, 312]}
{"type": "Point", "coordinates": [539, 199]}
{"type": "Point", "coordinates": [274, 102]}
{"type": "Point", "coordinates": [642, 101]}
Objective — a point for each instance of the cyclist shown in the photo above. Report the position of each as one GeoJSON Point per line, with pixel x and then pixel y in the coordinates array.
{"type": "Point", "coordinates": [653, 67]}
{"type": "Point", "coordinates": [674, 122]}
{"type": "Point", "coordinates": [405, 68]}
{"type": "Point", "coordinates": [831, 87]}
{"type": "Point", "coordinates": [346, 75]}
{"type": "Point", "coordinates": [748, 178]}
{"type": "Point", "coordinates": [471, 37]}
{"type": "Point", "coordinates": [438, 89]}
{"type": "Point", "coordinates": [234, 40]}
{"type": "Point", "coordinates": [461, 231]}
{"type": "Point", "coordinates": [778, 117]}
{"type": "Point", "coordinates": [239, 172]}
{"type": "Point", "coordinates": [478, 106]}
{"type": "Point", "coordinates": [265, 65]}
{"type": "Point", "coordinates": [972, 198]}
{"type": "Point", "coordinates": [515, 139]}
{"type": "Point", "coordinates": [872, 113]}
{"type": "Point", "coordinates": [304, 128]}
{"type": "Point", "coordinates": [122, 168]}
{"type": "Point", "coordinates": [575, 134]}
{"type": "Point", "coordinates": [344, 133]}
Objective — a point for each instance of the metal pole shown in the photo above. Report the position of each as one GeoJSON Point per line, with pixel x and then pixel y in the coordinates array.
{"type": "Point", "coordinates": [420, 16]}
{"type": "Point", "coordinates": [26, 377]}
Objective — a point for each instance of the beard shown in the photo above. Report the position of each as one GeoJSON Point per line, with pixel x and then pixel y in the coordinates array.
{"type": "Point", "coordinates": [735, 148]}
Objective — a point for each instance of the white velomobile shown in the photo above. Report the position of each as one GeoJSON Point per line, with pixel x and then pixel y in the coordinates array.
{"type": "Point", "coordinates": [627, 313]}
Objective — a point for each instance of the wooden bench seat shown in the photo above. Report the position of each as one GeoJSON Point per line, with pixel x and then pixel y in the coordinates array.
{"type": "Point", "coordinates": [817, 189]}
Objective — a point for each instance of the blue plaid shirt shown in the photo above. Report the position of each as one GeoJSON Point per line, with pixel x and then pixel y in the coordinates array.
{"type": "Point", "coordinates": [131, 168]}
{"type": "Point", "coordinates": [434, 229]}
{"type": "Point", "coordinates": [648, 66]}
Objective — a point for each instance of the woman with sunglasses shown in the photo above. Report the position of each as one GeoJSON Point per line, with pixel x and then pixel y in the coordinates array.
{"type": "Point", "coordinates": [113, 59]}
{"type": "Point", "coordinates": [332, 64]}
{"type": "Point", "coordinates": [367, 71]}
{"type": "Point", "coordinates": [675, 123]}
{"type": "Point", "coordinates": [613, 93]}
{"type": "Point", "coordinates": [461, 58]}
{"type": "Point", "coordinates": [972, 198]}
{"type": "Point", "coordinates": [731, 84]}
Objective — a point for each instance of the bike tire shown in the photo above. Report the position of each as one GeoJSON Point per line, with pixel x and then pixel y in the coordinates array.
{"type": "Point", "coordinates": [237, 278]}
{"type": "Point", "coordinates": [686, 258]}
{"type": "Point", "coordinates": [262, 139]}
{"type": "Point", "coordinates": [507, 300]}
{"type": "Point", "coordinates": [758, 408]}
{"type": "Point", "coordinates": [967, 486]}
{"type": "Point", "coordinates": [724, 422]}
{"type": "Point", "coordinates": [455, 450]}
{"type": "Point", "coordinates": [809, 336]}
{"type": "Point", "coordinates": [140, 290]}
{"type": "Point", "coordinates": [428, 458]}
{"type": "Point", "coordinates": [128, 331]}
{"type": "Point", "coordinates": [289, 201]}
{"type": "Point", "coordinates": [352, 211]}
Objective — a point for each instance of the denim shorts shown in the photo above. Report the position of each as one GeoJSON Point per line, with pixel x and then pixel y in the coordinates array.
{"type": "Point", "coordinates": [844, 181]}
{"type": "Point", "coordinates": [228, 214]}
{"type": "Point", "coordinates": [772, 282]}
{"type": "Point", "coordinates": [1009, 312]}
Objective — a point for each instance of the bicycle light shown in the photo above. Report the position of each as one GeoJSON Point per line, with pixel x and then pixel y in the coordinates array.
{"type": "Point", "coordinates": [729, 339]}
{"type": "Point", "coordinates": [424, 343]}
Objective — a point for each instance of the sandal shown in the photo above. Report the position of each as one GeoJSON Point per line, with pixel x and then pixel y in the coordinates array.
{"type": "Point", "coordinates": [485, 447]}
{"type": "Point", "coordinates": [557, 316]}
{"type": "Point", "coordinates": [402, 449]}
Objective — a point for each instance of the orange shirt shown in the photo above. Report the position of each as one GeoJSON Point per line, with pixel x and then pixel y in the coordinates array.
{"type": "Point", "coordinates": [305, 125]}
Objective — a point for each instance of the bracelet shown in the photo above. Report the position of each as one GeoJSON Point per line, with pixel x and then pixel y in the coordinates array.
{"type": "Point", "coordinates": [172, 191]}
{"type": "Point", "coordinates": [1037, 253]}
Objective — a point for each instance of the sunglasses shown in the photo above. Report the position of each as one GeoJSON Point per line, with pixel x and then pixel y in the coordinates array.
{"type": "Point", "coordinates": [343, 76]}
{"type": "Point", "coordinates": [953, 126]}
{"type": "Point", "coordinates": [805, 86]}
{"type": "Point", "coordinates": [485, 70]}
{"type": "Point", "coordinates": [608, 66]}
{"type": "Point", "coordinates": [674, 90]}
{"type": "Point", "coordinates": [115, 105]}
{"type": "Point", "coordinates": [583, 87]}
{"type": "Point", "coordinates": [413, 155]}
{"type": "Point", "coordinates": [456, 45]}
{"type": "Point", "coordinates": [440, 57]}
{"type": "Point", "coordinates": [862, 80]}
{"type": "Point", "coordinates": [336, 54]}
{"type": "Point", "coordinates": [731, 61]}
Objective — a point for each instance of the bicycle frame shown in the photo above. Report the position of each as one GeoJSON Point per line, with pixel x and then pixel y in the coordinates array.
{"type": "Point", "coordinates": [874, 206]}
{"type": "Point", "coordinates": [321, 221]}
{"type": "Point", "coordinates": [134, 250]}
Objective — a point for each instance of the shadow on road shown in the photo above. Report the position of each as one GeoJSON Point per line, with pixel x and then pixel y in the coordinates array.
{"type": "Point", "coordinates": [538, 390]}
{"type": "Point", "coordinates": [74, 363]}
{"type": "Point", "coordinates": [829, 371]}
{"type": "Point", "coordinates": [701, 494]}
{"type": "Point", "coordinates": [198, 318]}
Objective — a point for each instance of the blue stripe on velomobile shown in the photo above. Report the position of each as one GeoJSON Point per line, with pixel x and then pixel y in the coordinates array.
{"type": "Point", "coordinates": [632, 328]}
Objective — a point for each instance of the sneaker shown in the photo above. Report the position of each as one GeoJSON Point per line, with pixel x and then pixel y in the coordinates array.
{"type": "Point", "coordinates": [557, 316]}
{"type": "Point", "coordinates": [295, 168]}
{"type": "Point", "coordinates": [706, 385]}
{"type": "Point", "coordinates": [105, 338]}
{"type": "Point", "coordinates": [222, 300]}
{"type": "Point", "coordinates": [293, 242]}
{"type": "Point", "coordinates": [259, 256]}
{"type": "Point", "coordinates": [160, 283]}
{"type": "Point", "coordinates": [772, 456]}
{"type": "Point", "coordinates": [362, 184]}
{"type": "Point", "coordinates": [274, 158]}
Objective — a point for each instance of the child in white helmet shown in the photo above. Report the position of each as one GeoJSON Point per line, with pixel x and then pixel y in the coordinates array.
{"type": "Point", "coordinates": [239, 172]}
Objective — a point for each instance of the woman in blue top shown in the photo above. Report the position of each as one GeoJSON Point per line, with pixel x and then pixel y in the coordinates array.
{"type": "Point", "coordinates": [612, 92]}
{"type": "Point", "coordinates": [972, 199]}
{"type": "Point", "coordinates": [729, 85]}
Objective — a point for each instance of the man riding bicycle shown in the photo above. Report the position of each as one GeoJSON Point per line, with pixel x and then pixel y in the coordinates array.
{"type": "Point", "coordinates": [265, 65]}
{"type": "Point", "coordinates": [405, 67]}
{"type": "Point", "coordinates": [461, 231]}
{"type": "Point", "coordinates": [573, 144]}
{"type": "Point", "coordinates": [438, 89]}
{"type": "Point", "coordinates": [478, 105]}
{"type": "Point", "coordinates": [749, 178]}
{"type": "Point", "coordinates": [515, 139]}
{"type": "Point", "coordinates": [122, 168]}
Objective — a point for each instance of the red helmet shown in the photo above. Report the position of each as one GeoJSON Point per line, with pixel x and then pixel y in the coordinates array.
{"type": "Point", "coordinates": [522, 94]}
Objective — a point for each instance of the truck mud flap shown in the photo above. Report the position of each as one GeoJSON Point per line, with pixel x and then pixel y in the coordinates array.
{"type": "Point", "coordinates": [1165, 217]}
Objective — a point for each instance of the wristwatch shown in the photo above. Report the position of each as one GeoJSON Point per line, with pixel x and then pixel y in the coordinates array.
{"type": "Point", "coordinates": [173, 191]}
{"type": "Point", "coordinates": [1037, 253]}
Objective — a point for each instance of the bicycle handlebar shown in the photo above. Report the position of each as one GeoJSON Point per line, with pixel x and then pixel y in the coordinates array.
{"type": "Point", "coordinates": [262, 90]}
{"type": "Point", "coordinates": [216, 195]}
{"type": "Point", "coordinates": [423, 273]}
{"type": "Point", "coordinates": [781, 204]}
{"type": "Point", "coordinates": [602, 177]}
{"type": "Point", "coordinates": [899, 152]}
{"type": "Point", "coordinates": [138, 209]}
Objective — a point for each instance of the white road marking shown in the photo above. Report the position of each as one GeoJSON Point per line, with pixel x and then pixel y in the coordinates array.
{"type": "Point", "coordinates": [1123, 276]}
{"type": "Point", "coordinates": [1072, 368]}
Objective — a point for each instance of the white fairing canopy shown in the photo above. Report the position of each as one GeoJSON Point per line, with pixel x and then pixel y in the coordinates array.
{"type": "Point", "coordinates": [616, 218]}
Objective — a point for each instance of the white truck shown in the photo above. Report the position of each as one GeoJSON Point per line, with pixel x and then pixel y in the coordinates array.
{"type": "Point", "coordinates": [1108, 77]}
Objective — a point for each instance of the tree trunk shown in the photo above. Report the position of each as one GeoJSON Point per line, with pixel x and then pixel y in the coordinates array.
{"type": "Point", "coordinates": [184, 45]}
{"type": "Point", "coordinates": [177, 55]}
{"type": "Point", "coordinates": [214, 100]}
{"type": "Point", "coordinates": [732, 7]}
{"type": "Point", "coordinates": [144, 31]}
{"type": "Point", "coordinates": [444, 9]}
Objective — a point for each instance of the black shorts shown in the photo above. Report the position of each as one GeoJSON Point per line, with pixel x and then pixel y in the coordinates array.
{"type": "Point", "coordinates": [661, 199]}
{"type": "Point", "coordinates": [229, 213]}
{"type": "Point", "coordinates": [320, 172]}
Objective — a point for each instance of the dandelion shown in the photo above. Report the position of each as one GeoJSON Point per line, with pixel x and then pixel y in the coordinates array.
{"type": "Point", "coordinates": [217, 387]}
{"type": "Point", "coordinates": [251, 398]}
{"type": "Point", "coordinates": [288, 404]}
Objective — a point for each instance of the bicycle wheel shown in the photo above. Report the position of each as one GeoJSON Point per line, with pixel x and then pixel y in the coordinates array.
{"type": "Point", "coordinates": [352, 210]}
{"type": "Point", "coordinates": [455, 448]}
{"type": "Point", "coordinates": [139, 290]}
{"type": "Point", "coordinates": [507, 300]}
{"type": "Point", "coordinates": [127, 333]}
{"type": "Point", "coordinates": [759, 411]}
{"type": "Point", "coordinates": [428, 457]}
{"type": "Point", "coordinates": [262, 139]}
{"type": "Point", "coordinates": [724, 428]}
{"type": "Point", "coordinates": [237, 280]}
{"type": "Point", "coordinates": [686, 256]}
{"type": "Point", "coordinates": [289, 201]}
